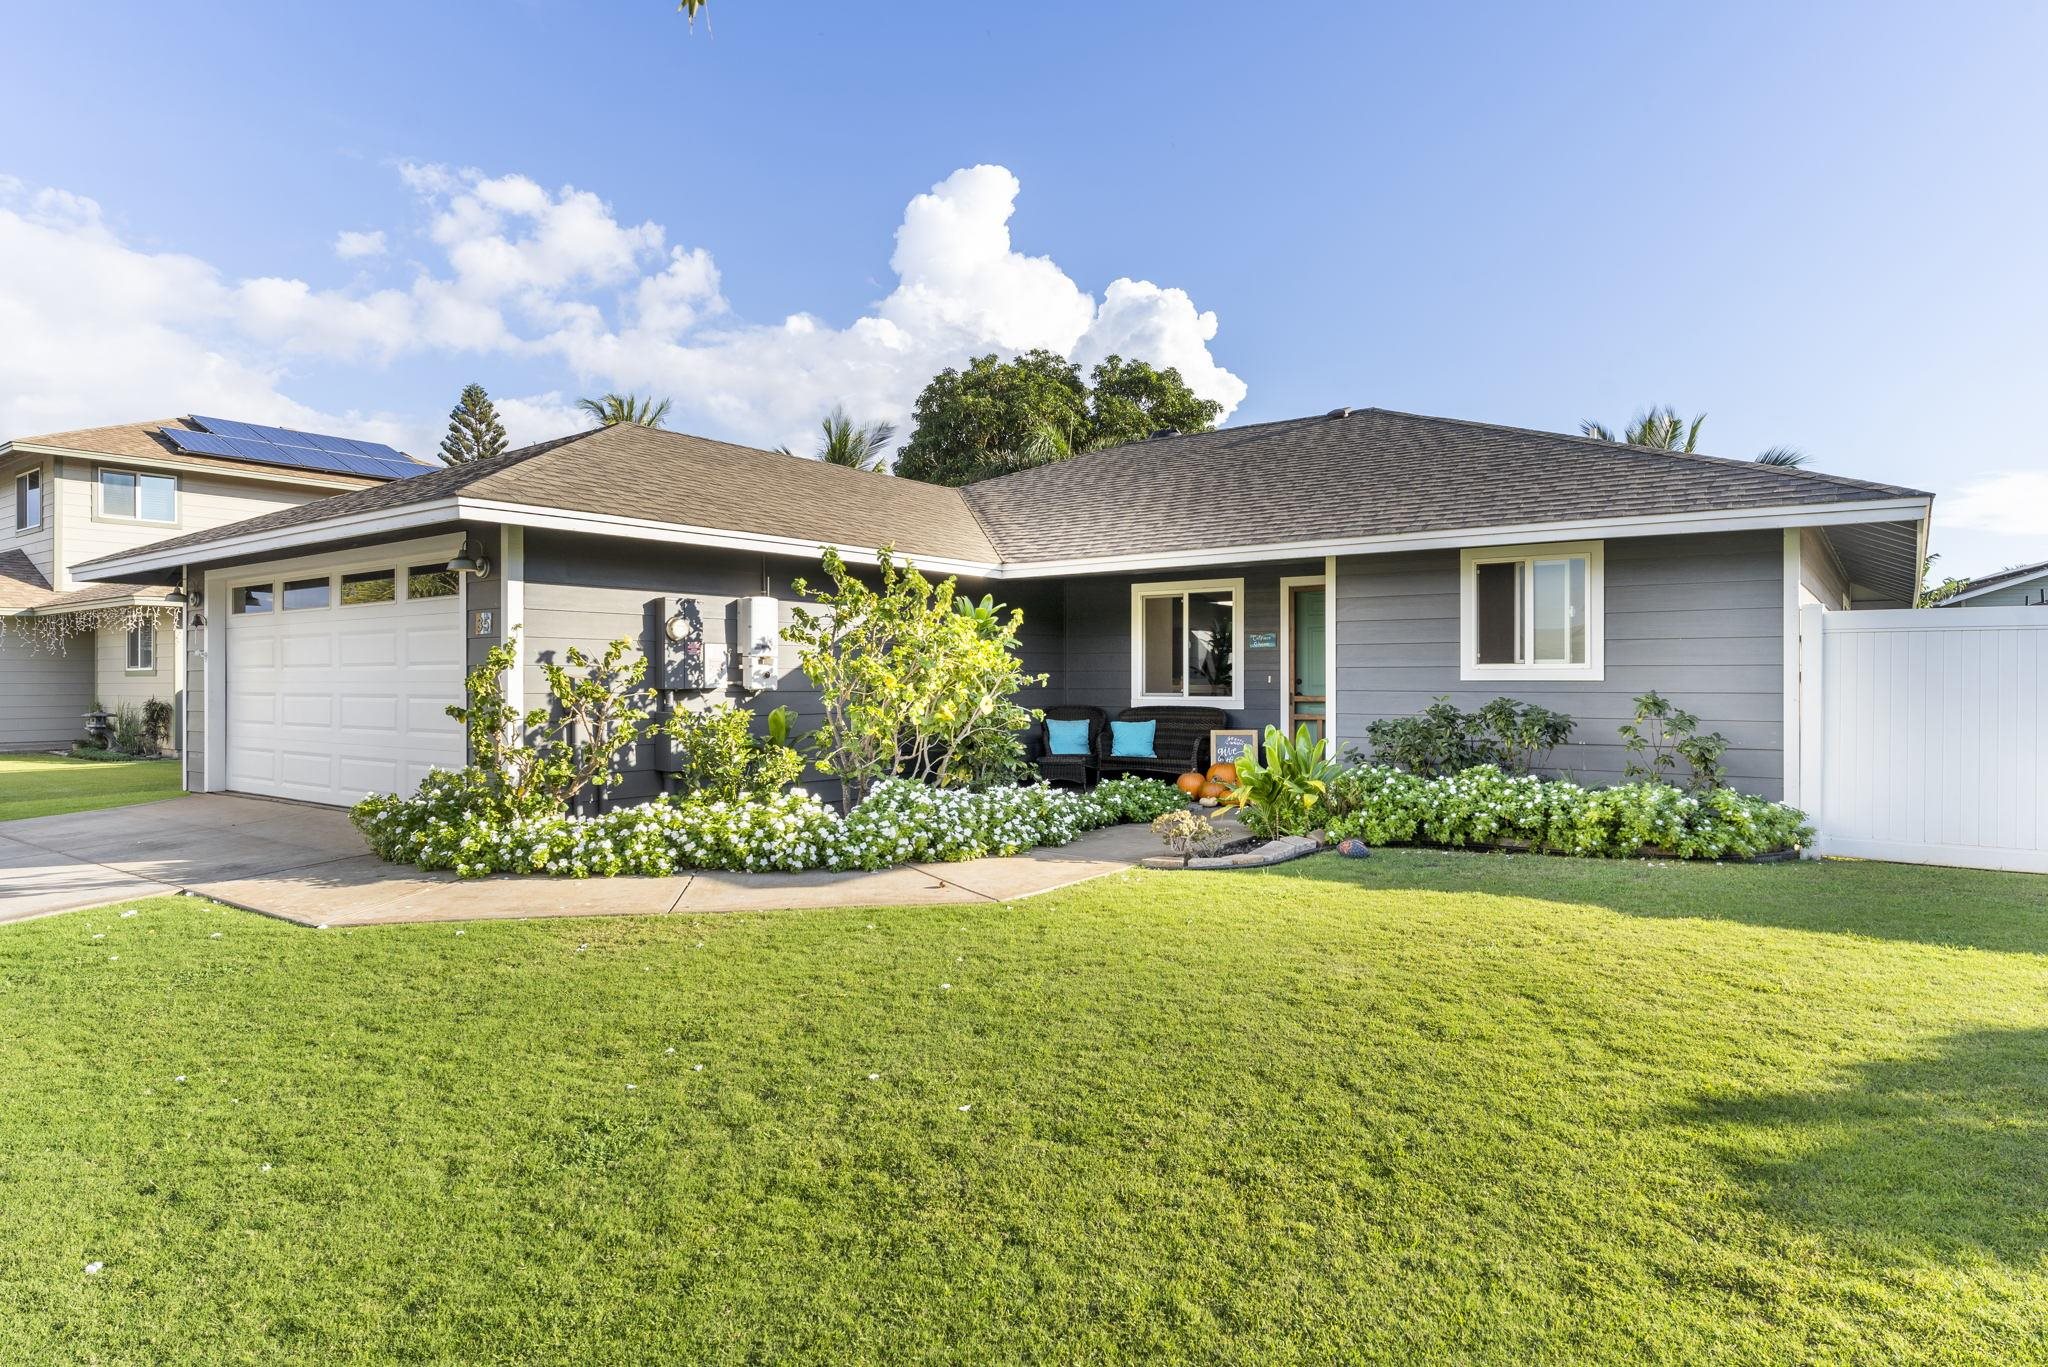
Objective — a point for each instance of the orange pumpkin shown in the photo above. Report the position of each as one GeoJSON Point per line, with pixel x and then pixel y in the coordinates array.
{"type": "Point", "coordinates": [1225, 774]}
{"type": "Point", "coordinates": [1213, 791]}
{"type": "Point", "coordinates": [1191, 784]}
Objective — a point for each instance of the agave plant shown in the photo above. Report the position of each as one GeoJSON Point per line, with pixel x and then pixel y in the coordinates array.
{"type": "Point", "coordinates": [1288, 793]}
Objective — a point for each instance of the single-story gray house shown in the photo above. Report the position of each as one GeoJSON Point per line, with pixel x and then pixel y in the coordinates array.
{"type": "Point", "coordinates": [1329, 570]}
{"type": "Point", "coordinates": [2022, 586]}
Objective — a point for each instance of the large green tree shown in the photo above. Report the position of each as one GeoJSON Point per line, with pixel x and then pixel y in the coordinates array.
{"type": "Point", "coordinates": [474, 432]}
{"type": "Point", "coordinates": [613, 410]}
{"type": "Point", "coordinates": [997, 416]}
{"type": "Point", "coordinates": [1662, 429]}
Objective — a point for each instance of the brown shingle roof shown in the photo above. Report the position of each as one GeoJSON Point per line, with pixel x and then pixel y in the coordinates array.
{"type": "Point", "coordinates": [1369, 473]}
{"type": "Point", "coordinates": [643, 472]}
{"type": "Point", "coordinates": [21, 584]}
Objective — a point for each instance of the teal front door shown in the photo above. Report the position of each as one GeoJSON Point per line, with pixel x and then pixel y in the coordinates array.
{"type": "Point", "coordinates": [1308, 698]}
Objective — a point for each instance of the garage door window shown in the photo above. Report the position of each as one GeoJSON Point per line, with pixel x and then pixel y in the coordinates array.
{"type": "Point", "coordinates": [371, 586]}
{"type": "Point", "coordinates": [254, 598]}
{"type": "Point", "coordinates": [430, 581]}
{"type": "Point", "coordinates": [300, 594]}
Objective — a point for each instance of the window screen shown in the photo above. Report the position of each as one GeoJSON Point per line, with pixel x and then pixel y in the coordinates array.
{"type": "Point", "coordinates": [1499, 606]}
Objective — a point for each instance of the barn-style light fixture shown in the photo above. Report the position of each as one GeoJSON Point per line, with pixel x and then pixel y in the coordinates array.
{"type": "Point", "coordinates": [466, 562]}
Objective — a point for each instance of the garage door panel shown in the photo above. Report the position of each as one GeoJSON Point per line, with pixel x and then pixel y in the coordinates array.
{"type": "Point", "coordinates": [433, 647]}
{"type": "Point", "coordinates": [373, 649]}
{"type": "Point", "coordinates": [331, 704]}
{"type": "Point", "coordinates": [307, 709]}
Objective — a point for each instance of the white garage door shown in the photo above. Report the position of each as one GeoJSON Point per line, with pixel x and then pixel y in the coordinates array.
{"type": "Point", "coordinates": [338, 681]}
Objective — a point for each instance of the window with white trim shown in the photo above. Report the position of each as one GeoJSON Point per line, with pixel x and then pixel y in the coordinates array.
{"type": "Point", "coordinates": [142, 649]}
{"type": "Point", "coordinates": [132, 496]}
{"type": "Point", "coordinates": [1531, 612]}
{"type": "Point", "coordinates": [28, 501]}
{"type": "Point", "coordinates": [1186, 641]}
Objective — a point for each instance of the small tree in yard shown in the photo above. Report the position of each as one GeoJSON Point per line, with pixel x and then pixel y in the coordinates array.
{"type": "Point", "coordinates": [915, 682]}
{"type": "Point", "coordinates": [539, 761]}
{"type": "Point", "coordinates": [474, 432]}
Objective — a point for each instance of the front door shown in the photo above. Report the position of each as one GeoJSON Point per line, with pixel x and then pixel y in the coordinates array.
{"type": "Point", "coordinates": [1308, 699]}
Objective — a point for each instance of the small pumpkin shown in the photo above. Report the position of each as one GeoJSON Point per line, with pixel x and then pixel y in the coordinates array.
{"type": "Point", "coordinates": [1190, 783]}
{"type": "Point", "coordinates": [1212, 791]}
{"type": "Point", "coordinates": [1225, 774]}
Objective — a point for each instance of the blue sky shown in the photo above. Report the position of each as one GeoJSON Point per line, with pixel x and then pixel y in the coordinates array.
{"type": "Point", "coordinates": [1820, 224]}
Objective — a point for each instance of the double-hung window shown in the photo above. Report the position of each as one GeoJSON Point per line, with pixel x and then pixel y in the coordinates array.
{"type": "Point", "coordinates": [142, 649]}
{"type": "Point", "coordinates": [1531, 612]}
{"type": "Point", "coordinates": [1186, 641]}
{"type": "Point", "coordinates": [28, 501]}
{"type": "Point", "coordinates": [134, 496]}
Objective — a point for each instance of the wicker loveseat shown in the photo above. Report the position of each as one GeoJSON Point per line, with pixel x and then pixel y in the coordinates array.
{"type": "Point", "coordinates": [1082, 769]}
{"type": "Point", "coordinates": [1180, 743]}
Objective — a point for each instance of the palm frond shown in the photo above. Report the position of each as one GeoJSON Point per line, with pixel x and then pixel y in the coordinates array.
{"type": "Point", "coordinates": [1597, 431]}
{"type": "Point", "coordinates": [1789, 457]}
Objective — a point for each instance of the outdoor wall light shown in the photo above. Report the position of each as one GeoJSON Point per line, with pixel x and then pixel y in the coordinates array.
{"type": "Point", "coordinates": [466, 563]}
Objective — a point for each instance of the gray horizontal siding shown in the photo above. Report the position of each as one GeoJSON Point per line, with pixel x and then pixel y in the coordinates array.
{"type": "Point", "coordinates": [44, 694]}
{"type": "Point", "coordinates": [1696, 618]}
{"type": "Point", "coordinates": [585, 592]}
{"type": "Point", "coordinates": [1097, 616]}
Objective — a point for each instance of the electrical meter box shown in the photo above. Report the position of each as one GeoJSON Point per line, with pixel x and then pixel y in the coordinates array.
{"type": "Point", "coordinates": [681, 632]}
{"type": "Point", "coordinates": [758, 643]}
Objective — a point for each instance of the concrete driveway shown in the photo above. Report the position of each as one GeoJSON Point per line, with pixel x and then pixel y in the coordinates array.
{"type": "Point", "coordinates": [307, 864]}
{"type": "Point", "coordinates": [87, 859]}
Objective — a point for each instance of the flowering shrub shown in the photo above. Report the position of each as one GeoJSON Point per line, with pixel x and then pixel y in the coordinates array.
{"type": "Point", "coordinates": [1483, 806]}
{"type": "Point", "coordinates": [448, 824]}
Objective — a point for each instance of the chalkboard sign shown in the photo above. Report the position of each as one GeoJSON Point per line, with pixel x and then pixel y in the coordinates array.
{"type": "Point", "coordinates": [1228, 747]}
{"type": "Point", "coordinates": [1262, 640]}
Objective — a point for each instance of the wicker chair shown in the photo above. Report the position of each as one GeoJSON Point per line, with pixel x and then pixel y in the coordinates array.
{"type": "Point", "coordinates": [1180, 744]}
{"type": "Point", "coordinates": [1082, 769]}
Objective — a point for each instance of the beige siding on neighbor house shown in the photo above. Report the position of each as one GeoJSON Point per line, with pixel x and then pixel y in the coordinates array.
{"type": "Point", "coordinates": [43, 694]}
{"type": "Point", "coordinates": [36, 541]}
{"type": "Point", "coordinates": [204, 501]}
{"type": "Point", "coordinates": [114, 684]}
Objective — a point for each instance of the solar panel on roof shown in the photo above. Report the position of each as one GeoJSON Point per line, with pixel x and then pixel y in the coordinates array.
{"type": "Point", "coordinates": [289, 447]}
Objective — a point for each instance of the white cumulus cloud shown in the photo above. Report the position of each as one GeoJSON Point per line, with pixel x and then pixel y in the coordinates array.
{"type": "Point", "coordinates": [353, 246]}
{"type": "Point", "coordinates": [2013, 503]}
{"type": "Point", "coordinates": [94, 330]}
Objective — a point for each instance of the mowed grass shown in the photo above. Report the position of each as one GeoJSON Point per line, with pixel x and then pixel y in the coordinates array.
{"type": "Point", "coordinates": [1423, 1107]}
{"type": "Point", "coordinates": [47, 785]}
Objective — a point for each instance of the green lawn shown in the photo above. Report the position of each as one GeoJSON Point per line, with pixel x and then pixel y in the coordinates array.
{"type": "Point", "coordinates": [1425, 1107]}
{"type": "Point", "coordinates": [46, 785]}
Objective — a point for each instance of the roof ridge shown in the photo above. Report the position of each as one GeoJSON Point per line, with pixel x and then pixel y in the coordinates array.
{"type": "Point", "coordinates": [1797, 472]}
{"type": "Point", "coordinates": [1068, 461]}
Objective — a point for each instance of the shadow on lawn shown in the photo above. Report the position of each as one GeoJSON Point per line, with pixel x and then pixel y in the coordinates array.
{"type": "Point", "coordinates": [1943, 1155]}
{"type": "Point", "coordinates": [1955, 908]}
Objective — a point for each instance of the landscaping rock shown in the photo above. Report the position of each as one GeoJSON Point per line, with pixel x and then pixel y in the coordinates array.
{"type": "Point", "coordinates": [1272, 852]}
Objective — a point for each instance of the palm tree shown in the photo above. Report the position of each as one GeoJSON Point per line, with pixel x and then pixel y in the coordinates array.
{"type": "Point", "coordinates": [848, 443]}
{"type": "Point", "coordinates": [1661, 429]}
{"type": "Point", "coordinates": [615, 409]}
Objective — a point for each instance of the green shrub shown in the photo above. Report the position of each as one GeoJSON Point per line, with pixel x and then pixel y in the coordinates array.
{"type": "Point", "coordinates": [1483, 807]}
{"type": "Point", "coordinates": [721, 757]}
{"type": "Point", "coordinates": [451, 823]}
{"type": "Point", "coordinates": [1286, 793]}
{"type": "Point", "coordinates": [157, 716]}
{"type": "Point", "coordinates": [537, 762]}
{"type": "Point", "coordinates": [1662, 735]}
{"type": "Point", "coordinates": [128, 729]}
{"type": "Point", "coordinates": [1445, 739]}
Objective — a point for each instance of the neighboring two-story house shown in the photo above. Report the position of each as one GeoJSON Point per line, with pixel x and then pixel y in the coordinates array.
{"type": "Point", "coordinates": [67, 645]}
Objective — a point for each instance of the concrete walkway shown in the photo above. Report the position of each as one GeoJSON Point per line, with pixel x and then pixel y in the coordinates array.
{"type": "Point", "coordinates": [307, 864]}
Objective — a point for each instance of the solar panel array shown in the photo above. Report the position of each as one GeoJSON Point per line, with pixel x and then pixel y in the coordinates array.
{"type": "Point", "coordinates": [299, 450]}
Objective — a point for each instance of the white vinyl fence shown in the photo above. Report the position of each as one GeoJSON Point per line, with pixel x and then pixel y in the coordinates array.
{"type": "Point", "coordinates": [1924, 734]}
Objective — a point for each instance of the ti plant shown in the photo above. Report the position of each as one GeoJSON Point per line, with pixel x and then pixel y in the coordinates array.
{"type": "Point", "coordinates": [1288, 792]}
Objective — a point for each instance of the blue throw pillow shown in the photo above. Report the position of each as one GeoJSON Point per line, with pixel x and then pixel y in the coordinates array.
{"type": "Point", "coordinates": [1132, 739]}
{"type": "Point", "coordinates": [1066, 737]}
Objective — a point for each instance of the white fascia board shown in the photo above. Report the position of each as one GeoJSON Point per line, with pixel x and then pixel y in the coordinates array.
{"type": "Point", "coordinates": [647, 529]}
{"type": "Point", "coordinates": [1668, 524]}
{"type": "Point", "coordinates": [145, 558]}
